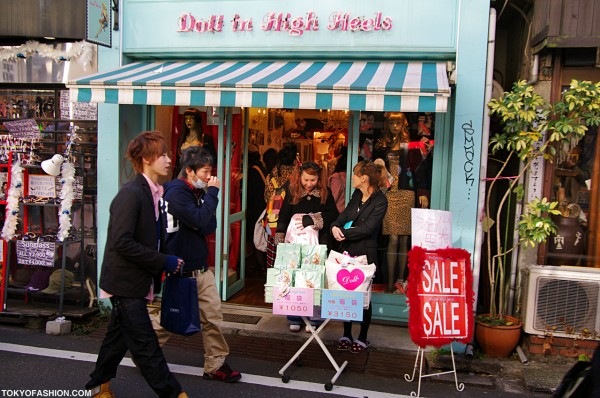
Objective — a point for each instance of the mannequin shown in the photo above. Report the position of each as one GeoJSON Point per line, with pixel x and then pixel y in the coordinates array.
{"type": "Point", "coordinates": [402, 159]}
{"type": "Point", "coordinates": [192, 135]}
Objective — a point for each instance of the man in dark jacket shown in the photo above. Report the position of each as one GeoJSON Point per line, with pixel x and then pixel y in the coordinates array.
{"type": "Point", "coordinates": [133, 262]}
{"type": "Point", "coordinates": [191, 204]}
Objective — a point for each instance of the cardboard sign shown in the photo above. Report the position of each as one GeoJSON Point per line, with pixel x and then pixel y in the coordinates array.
{"type": "Point", "coordinates": [342, 305]}
{"type": "Point", "coordinates": [23, 128]}
{"type": "Point", "coordinates": [431, 229]}
{"type": "Point", "coordinates": [440, 294]}
{"type": "Point", "coordinates": [293, 301]}
{"type": "Point", "coordinates": [42, 186]}
{"type": "Point", "coordinates": [36, 253]}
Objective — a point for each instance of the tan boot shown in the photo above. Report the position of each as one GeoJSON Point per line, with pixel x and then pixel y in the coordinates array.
{"type": "Point", "coordinates": [182, 395]}
{"type": "Point", "coordinates": [103, 391]}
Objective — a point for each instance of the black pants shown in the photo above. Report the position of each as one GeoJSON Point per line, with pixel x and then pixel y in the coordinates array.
{"type": "Point", "coordinates": [130, 329]}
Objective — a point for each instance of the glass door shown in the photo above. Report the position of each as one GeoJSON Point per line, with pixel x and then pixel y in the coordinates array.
{"type": "Point", "coordinates": [230, 248]}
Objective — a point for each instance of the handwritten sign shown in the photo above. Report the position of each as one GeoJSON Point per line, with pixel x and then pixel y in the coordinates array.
{"type": "Point", "coordinates": [440, 294]}
{"type": "Point", "coordinates": [77, 110]}
{"type": "Point", "coordinates": [24, 128]}
{"type": "Point", "coordinates": [36, 253]}
{"type": "Point", "coordinates": [431, 229]}
{"type": "Point", "coordinates": [293, 301]}
{"type": "Point", "coordinates": [343, 305]}
{"type": "Point", "coordinates": [42, 186]}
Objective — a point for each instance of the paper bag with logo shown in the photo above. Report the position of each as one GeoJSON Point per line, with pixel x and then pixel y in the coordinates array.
{"type": "Point", "coordinates": [348, 273]}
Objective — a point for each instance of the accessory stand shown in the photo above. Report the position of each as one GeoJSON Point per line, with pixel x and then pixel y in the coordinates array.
{"type": "Point", "coordinates": [315, 336]}
{"type": "Point", "coordinates": [420, 351]}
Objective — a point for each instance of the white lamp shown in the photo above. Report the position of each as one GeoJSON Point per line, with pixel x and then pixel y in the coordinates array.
{"type": "Point", "coordinates": [52, 166]}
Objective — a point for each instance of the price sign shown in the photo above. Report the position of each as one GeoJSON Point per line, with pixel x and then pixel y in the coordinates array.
{"type": "Point", "coordinates": [42, 186]}
{"type": "Point", "coordinates": [440, 294]}
{"type": "Point", "coordinates": [293, 301]}
{"type": "Point", "coordinates": [36, 253]}
{"type": "Point", "coordinates": [345, 305]}
{"type": "Point", "coordinates": [24, 128]}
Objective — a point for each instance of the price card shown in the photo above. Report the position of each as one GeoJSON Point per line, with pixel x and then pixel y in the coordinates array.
{"type": "Point", "coordinates": [293, 301]}
{"type": "Point", "coordinates": [36, 253]}
{"type": "Point", "coordinates": [42, 186]}
{"type": "Point", "coordinates": [345, 305]}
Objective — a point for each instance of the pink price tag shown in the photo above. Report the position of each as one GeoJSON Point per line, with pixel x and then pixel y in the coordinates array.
{"type": "Point", "coordinates": [293, 301]}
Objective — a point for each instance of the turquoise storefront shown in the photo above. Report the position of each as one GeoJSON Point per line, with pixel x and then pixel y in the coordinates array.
{"type": "Point", "coordinates": [236, 59]}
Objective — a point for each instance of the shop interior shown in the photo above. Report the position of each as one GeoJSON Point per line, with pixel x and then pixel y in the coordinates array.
{"type": "Point", "coordinates": [68, 130]}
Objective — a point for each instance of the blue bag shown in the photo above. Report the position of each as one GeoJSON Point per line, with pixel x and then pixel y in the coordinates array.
{"type": "Point", "coordinates": [179, 311]}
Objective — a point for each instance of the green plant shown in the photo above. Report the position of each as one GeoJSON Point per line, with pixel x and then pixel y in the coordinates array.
{"type": "Point", "coordinates": [532, 129]}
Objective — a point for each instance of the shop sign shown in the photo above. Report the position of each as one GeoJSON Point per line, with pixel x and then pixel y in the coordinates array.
{"type": "Point", "coordinates": [440, 296]}
{"type": "Point", "coordinates": [294, 25]}
{"type": "Point", "coordinates": [293, 301]}
{"type": "Point", "coordinates": [344, 305]}
{"type": "Point", "coordinates": [99, 22]}
{"type": "Point", "coordinates": [35, 253]}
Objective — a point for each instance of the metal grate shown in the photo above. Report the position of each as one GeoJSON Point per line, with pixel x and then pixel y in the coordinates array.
{"type": "Point", "coordinates": [568, 303]}
{"type": "Point", "coordinates": [237, 318]}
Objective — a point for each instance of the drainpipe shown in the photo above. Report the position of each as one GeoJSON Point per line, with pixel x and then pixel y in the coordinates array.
{"type": "Point", "coordinates": [489, 78]}
{"type": "Point", "coordinates": [514, 262]}
{"type": "Point", "coordinates": [535, 66]}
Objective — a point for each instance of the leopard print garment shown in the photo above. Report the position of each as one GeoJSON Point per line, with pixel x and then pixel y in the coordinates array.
{"type": "Point", "coordinates": [397, 217]}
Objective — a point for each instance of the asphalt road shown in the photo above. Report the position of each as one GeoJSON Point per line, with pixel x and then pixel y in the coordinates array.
{"type": "Point", "coordinates": [30, 361]}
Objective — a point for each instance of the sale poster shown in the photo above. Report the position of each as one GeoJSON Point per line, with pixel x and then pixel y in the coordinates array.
{"type": "Point", "coordinates": [440, 296]}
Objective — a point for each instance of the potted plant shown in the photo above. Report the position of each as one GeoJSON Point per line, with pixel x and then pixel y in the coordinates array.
{"type": "Point", "coordinates": [532, 129]}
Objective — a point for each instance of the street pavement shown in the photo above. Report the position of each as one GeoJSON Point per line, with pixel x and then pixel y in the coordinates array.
{"type": "Point", "coordinates": [32, 359]}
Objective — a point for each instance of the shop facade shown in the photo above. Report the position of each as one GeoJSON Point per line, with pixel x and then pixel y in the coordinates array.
{"type": "Point", "coordinates": [263, 74]}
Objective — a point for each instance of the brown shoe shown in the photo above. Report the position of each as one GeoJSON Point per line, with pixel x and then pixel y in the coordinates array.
{"type": "Point", "coordinates": [102, 391]}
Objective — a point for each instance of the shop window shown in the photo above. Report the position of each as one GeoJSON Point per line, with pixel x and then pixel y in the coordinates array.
{"type": "Point", "coordinates": [575, 185]}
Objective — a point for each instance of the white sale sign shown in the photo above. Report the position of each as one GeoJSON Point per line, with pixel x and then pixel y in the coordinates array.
{"type": "Point", "coordinates": [431, 229]}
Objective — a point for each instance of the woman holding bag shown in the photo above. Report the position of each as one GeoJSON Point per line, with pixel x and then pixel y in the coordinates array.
{"type": "Point", "coordinates": [308, 206]}
{"type": "Point", "coordinates": [356, 230]}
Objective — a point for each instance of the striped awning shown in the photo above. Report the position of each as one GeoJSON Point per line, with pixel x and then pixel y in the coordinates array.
{"type": "Point", "coordinates": [351, 85]}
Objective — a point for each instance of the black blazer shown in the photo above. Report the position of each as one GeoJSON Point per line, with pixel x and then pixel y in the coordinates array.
{"type": "Point", "coordinates": [361, 237]}
{"type": "Point", "coordinates": [131, 256]}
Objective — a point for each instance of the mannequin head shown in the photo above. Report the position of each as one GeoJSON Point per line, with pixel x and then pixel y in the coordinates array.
{"type": "Point", "coordinates": [397, 127]}
{"type": "Point", "coordinates": [192, 120]}
{"type": "Point", "coordinates": [192, 129]}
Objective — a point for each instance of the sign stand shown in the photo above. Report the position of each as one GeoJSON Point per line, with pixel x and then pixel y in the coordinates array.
{"type": "Point", "coordinates": [409, 378]}
{"type": "Point", "coordinates": [315, 336]}
{"type": "Point", "coordinates": [336, 304]}
{"type": "Point", "coordinates": [441, 304]}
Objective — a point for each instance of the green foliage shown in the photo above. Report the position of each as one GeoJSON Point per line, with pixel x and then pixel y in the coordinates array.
{"type": "Point", "coordinates": [532, 128]}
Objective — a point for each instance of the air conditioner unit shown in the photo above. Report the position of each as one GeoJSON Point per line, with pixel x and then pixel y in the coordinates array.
{"type": "Point", "coordinates": [566, 298]}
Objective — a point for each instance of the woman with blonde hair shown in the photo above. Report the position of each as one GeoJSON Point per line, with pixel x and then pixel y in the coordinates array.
{"type": "Point", "coordinates": [356, 230]}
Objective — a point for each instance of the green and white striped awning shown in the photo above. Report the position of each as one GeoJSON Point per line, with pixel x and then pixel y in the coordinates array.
{"type": "Point", "coordinates": [351, 85]}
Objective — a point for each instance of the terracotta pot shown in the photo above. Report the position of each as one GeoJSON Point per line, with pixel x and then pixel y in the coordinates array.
{"type": "Point", "coordinates": [498, 341]}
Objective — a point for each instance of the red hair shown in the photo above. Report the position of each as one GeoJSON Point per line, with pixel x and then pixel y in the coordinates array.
{"type": "Point", "coordinates": [147, 145]}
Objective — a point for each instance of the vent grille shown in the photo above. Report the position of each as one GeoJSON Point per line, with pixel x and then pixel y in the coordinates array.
{"type": "Point", "coordinates": [566, 304]}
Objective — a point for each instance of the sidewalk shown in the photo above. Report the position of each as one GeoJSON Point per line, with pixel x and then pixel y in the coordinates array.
{"type": "Point", "coordinates": [257, 333]}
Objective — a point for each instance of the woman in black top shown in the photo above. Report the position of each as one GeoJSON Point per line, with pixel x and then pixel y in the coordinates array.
{"type": "Point", "coordinates": [307, 193]}
{"type": "Point", "coordinates": [356, 230]}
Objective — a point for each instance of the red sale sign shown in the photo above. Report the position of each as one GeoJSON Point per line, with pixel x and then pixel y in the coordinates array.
{"type": "Point", "coordinates": [440, 296]}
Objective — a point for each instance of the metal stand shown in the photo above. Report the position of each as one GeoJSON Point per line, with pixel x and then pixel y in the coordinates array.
{"type": "Point", "coordinates": [315, 336]}
{"type": "Point", "coordinates": [409, 378]}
